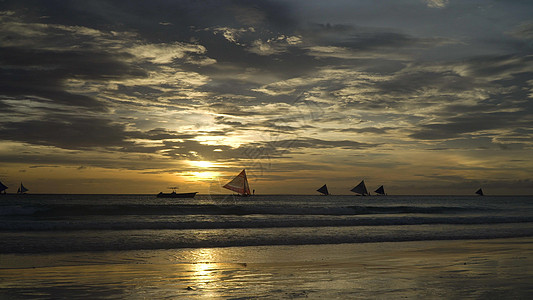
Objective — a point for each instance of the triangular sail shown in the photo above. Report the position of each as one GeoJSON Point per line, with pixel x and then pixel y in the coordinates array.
{"type": "Point", "coordinates": [22, 189]}
{"type": "Point", "coordinates": [360, 188]}
{"type": "Point", "coordinates": [2, 187]}
{"type": "Point", "coordinates": [239, 184]}
{"type": "Point", "coordinates": [479, 192]}
{"type": "Point", "coordinates": [380, 190]}
{"type": "Point", "coordinates": [323, 190]}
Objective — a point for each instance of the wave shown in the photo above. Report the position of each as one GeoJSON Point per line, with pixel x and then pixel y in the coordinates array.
{"type": "Point", "coordinates": [61, 210]}
{"type": "Point", "coordinates": [42, 242]}
{"type": "Point", "coordinates": [265, 222]}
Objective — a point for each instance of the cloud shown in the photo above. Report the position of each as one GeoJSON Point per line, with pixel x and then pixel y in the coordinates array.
{"type": "Point", "coordinates": [523, 31]}
{"type": "Point", "coordinates": [65, 132]}
{"type": "Point", "coordinates": [470, 124]}
{"type": "Point", "coordinates": [437, 3]}
{"type": "Point", "coordinates": [166, 53]}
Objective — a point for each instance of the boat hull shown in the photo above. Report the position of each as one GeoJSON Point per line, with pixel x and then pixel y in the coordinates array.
{"type": "Point", "coordinates": [176, 195]}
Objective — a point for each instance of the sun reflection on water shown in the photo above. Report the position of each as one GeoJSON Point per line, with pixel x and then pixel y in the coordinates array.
{"type": "Point", "coordinates": [204, 272]}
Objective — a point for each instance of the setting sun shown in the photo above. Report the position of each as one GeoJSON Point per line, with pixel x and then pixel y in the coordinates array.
{"type": "Point", "coordinates": [202, 164]}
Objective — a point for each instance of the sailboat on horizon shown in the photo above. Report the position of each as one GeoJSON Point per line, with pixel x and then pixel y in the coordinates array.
{"type": "Point", "coordinates": [3, 188]}
{"type": "Point", "coordinates": [239, 184]}
{"type": "Point", "coordinates": [360, 189]}
{"type": "Point", "coordinates": [380, 190]}
{"type": "Point", "coordinates": [22, 189]}
{"type": "Point", "coordinates": [323, 190]}
{"type": "Point", "coordinates": [480, 192]}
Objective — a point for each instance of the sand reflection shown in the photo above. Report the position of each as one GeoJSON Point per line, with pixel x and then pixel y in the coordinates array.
{"type": "Point", "coordinates": [204, 272]}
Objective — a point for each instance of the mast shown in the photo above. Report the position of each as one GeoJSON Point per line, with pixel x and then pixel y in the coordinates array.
{"type": "Point", "coordinates": [360, 189]}
{"type": "Point", "coordinates": [239, 184]}
{"type": "Point", "coordinates": [323, 190]}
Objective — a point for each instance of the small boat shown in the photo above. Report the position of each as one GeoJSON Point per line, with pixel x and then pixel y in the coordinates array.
{"type": "Point", "coordinates": [480, 192]}
{"type": "Point", "coordinates": [176, 195]}
{"type": "Point", "coordinates": [239, 184]}
{"type": "Point", "coordinates": [380, 190]}
{"type": "Point", "coordinates": [360, 189]}
{"type": "Point", "coordinates": [323, 190]}
{"type": "Point", "coordinates": [22, 189]}
{"type": "Point", "coordinates": [3, 188]}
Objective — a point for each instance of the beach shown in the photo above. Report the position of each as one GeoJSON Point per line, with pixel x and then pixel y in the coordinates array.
{"type": "Point", "coordinates": [454, 269]}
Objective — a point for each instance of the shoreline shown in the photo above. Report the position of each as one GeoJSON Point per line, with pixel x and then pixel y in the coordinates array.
{"type": "Point", "coordinates": [489, 268]}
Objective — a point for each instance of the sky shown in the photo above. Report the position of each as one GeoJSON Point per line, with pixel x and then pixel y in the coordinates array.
{"type": "Point", "coordinates": [421, 96]}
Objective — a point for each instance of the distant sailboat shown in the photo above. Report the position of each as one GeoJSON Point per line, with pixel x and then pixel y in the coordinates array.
{"type": "Point", "coordinates": [360, 189]}
{"type": "Point", "coordinates": [323, 190]}
{"type": "Point", "coordinates": [479, 192]}
{"type": "Point", "coordinates": [3, 188]}
{"type": "Point", "coordinates": [380, 190]}
{"type": "Point", "coordinates": [22, 189]}
{"type": "Point", "coordinates": [239, 184]}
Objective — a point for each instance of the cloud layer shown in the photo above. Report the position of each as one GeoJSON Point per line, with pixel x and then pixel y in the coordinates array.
{"type": "Point", "coordinates": [273, 86]}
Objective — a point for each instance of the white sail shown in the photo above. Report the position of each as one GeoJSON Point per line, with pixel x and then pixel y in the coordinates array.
{"type": "Point", "coordinates": [239, 184]}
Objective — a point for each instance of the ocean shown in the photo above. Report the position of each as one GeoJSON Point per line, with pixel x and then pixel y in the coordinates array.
{"type": "Point", "coordinates": [265, 247]}
{"type": "Point", "coordinates": [66, 223]}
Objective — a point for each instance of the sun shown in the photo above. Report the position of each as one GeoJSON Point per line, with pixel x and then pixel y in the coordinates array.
{"type": "Point", "coordinates": [202, 164]}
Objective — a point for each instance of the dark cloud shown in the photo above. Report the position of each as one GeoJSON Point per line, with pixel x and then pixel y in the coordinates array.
{"type": "Point", "coordinates": [65, 132]}
{"type": "Point", "coordinates": [373, 130]}
{"type": "Point", "coordinates": [500, 67]}
{"type": "Point", "coordinates": [42, 73]}
{"type": "Point", "coordinates": [468, 124]}
{"type": "Point", "coordinates": [311, 143]}
{"type": "Point", "coordinates": [159, 134]}
{"type": "Point", "coordinates": [412, 82]}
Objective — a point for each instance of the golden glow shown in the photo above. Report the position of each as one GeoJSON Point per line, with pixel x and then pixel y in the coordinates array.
{"type": "Point", "coordinates": [208, 175]}
{"type": "Point", "coordinates": [205, 272]}
{"type": "Point", "coordinates": [202, 164]}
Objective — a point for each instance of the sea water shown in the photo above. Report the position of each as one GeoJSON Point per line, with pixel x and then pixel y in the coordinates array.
{"type": "Point", "coordinates": [68, 223]}
{"type": "Point", "coordinates": [265, 247]}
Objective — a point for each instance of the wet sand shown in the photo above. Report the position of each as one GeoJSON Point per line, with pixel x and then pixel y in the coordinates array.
{"type": "Point", "coordinates": [459, 269]}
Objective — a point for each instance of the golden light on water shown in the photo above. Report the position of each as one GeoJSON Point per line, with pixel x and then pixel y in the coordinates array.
{"type": "Point", "coordinates": [204, 271]}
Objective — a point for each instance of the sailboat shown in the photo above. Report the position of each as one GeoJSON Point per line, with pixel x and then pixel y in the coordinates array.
{"type": "Point", "coordinates": [323, 190]}
{"type": "Point", "coordinates": [22, 189]}
{"type": "Point", "coordinates": [3, 188]}
{"type": "Point", "coordinates": [239, 184]}
{"type": "Point", "coordinates": [360, 189]}
{"type": "Point", "coordinates": [479, 192]}
{"type": "Point", "coordinates": [380, 190]}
